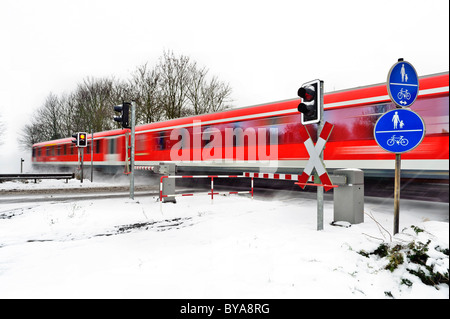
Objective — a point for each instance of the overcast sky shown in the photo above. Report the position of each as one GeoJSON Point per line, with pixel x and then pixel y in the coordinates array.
{"type": "Point", "coordinates": [264, 49]}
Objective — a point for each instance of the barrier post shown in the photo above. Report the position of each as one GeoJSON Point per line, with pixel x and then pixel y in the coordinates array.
{"type": "Point", "coordinates": [168, 184]}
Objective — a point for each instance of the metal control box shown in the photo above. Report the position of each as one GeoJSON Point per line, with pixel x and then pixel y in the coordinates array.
{"type": "Point", "coordinates": [349, 198]}
{"type": "Point", "coordinates": [168, 183]}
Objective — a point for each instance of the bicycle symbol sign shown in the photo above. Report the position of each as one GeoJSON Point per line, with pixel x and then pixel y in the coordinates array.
{"type": "Point", "coordinates": [399, 140]}
{"type": "Point", "coordinates": [403, 84]}
{"type": "Point", "coordinates": [399, 130]}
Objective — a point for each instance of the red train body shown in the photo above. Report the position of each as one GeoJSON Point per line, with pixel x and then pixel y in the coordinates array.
{"type": "Point", "coordinates": [231, 140]}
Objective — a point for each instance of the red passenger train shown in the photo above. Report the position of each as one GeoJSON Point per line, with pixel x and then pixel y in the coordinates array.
{"type": "Point", "coordinates": [267, 137]}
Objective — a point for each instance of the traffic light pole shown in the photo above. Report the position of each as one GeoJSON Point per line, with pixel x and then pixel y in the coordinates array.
{"type": "Point", "coordinates": [320, 188]}
{"type": "Point", "coordinates": [133, 124]}
{"type": "Point", "coordinates": [92, 155]}
{"type": "Point", "coordinates": [81, 156]}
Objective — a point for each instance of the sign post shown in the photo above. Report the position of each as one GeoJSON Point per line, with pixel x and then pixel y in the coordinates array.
{"type": "Point", "coordinates": [400, 130]}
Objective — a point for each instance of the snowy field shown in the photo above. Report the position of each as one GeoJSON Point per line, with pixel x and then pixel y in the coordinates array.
{"type": "Point", "coordinates": [232, 247]}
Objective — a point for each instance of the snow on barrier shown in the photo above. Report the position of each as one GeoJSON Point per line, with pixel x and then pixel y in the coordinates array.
{"type": "Point", "coordinates": [212, 193]}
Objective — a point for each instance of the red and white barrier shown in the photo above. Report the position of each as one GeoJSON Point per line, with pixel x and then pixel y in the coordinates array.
{"type": "Point", "coordinates": [144, 168]}
{"type": "Point", "coordinates": [289, 177]}
{"type": "Point", "coordinates": [212, 193]}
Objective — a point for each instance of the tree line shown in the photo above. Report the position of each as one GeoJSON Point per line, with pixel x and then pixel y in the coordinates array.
{"type": "Point", "coordinates": [175, 87]}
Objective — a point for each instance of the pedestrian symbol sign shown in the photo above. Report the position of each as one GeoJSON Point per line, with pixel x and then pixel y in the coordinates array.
{"type": "Point", "coordinates": [399, 130]}
{"type": "Point", "coordinates": [403, 84]}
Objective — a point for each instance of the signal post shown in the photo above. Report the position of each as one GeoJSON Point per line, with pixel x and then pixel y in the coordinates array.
{"type": "Point", "coordinates": [81, 142]}
{"type": "Point", "coordinates": [129, 123]}
{"type": "Point", "coordinates": [311, 109]}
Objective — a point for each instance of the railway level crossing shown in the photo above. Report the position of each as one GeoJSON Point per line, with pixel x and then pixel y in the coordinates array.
{"type": "Point", "coordinates": [348, 203]}
{"type": "Point", "coordinates": [348, 185]}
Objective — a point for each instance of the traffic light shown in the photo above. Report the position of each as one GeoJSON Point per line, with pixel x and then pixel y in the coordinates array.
{"type": "Point", "coordinates": [311, 105]}
{"type": "Point", "coordinates": [75, 141]}
{"type": "Point", "coordinates": [82, 139]}
{"type": "Point", "coordinates": [124, 117]}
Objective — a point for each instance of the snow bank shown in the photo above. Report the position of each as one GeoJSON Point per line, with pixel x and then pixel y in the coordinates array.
{"type": "Point", "coordinates": [233, 247]}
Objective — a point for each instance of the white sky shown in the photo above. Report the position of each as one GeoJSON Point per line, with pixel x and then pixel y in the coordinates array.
{"type": "Point", "coordinates": [264, 49]}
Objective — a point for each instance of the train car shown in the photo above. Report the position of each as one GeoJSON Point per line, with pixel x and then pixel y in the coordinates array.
{"type": "Point", "coordinates": [266, 138]}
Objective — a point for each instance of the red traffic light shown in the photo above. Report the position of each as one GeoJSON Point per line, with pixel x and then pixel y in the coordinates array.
{"type": "Point", "coordinates": [311, 101]}
{"type": "Point", "coordinates": [307, 93]}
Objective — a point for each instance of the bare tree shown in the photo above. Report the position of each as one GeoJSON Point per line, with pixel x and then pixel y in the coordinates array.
{"type": "Point", "coordinates": [94, 104]}
{"type": "Point", "coordinates": [48, 116]}
{"type": "Point", "coordinates": [196, 86]}
{"type": "Point", "coordinates": [213, 96]}
{"type": "Point", "coordinates": [175, 87]}
{"type": "Point", "coordinates": [174, 78]}
{"type": "Point", "coordinates": [30, 134]}
{"type": "Point", "coordinates": [185, 88]}
{"type": "Point", "coordinates": [145, 88]}
{"type": "Point", "coordinates": [69, 120]}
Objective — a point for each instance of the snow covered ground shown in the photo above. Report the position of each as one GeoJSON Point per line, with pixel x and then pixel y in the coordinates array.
{"type": "Point", "coordinates": [233, 247]}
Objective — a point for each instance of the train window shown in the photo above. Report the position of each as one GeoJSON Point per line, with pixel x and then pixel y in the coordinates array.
{"type": "Point", "coordinates": [435, 113]}
{"type": "Point", "coordinates": [140, 142]}
{"type": "Point", "coordinates": [112, 146]}
{"type": "Point", "coordinates": [97, 146]}
{"type": "Point", "coordinates": [273, 133]}
{"type": "Point", "coordinates": [206, 135]}
{"type": "Point", "coordinates": [354, 123]}
{"type": "Point", "coordinates": [162, 139]}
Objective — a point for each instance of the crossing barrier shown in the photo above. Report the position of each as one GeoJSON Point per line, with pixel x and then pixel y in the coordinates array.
{"type": "Point", "coordinates": [291, 177]}
{"type": "Point", "coordinates": [144, 168]}
{"type": "Point", "coordinates": [212, 192]}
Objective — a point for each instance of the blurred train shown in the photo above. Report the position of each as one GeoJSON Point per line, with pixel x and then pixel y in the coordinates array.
{"type": "Point", "coordinates": [266, 137]}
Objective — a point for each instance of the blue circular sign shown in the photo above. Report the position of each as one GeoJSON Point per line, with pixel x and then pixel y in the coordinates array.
{"type": "Point", "coordinates": [403, 84]}
{"type": "Point", "coordinates": [399, 130]}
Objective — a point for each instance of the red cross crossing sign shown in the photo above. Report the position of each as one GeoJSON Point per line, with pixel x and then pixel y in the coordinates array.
{"type": "Point", "coordinates": [314, 156]}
